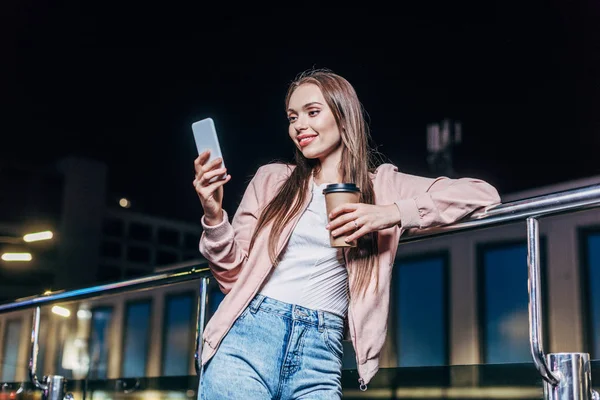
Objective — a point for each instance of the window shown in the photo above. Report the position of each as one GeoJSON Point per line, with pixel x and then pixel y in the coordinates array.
{"type": "Point", "coordinates": [100, 342]}
{"type": "Point", "coordinates": [65, 354]}
{"type": "Point", "coordinates": [113, 227]}
{"type": "Point", "coordinates": [214, 300]}
{"type": "Point", "coordinates": [168, 237]}
{"type": "Point", "coordinates": [139, 231]}
{"type": "Point", "coordinates": [109, 273]}
{"type": "Point", "coordinates": [42, 344]}
{"type": "Point", "coordinates": [191, 256]}
{"type": "Point", "coordinates": [178, 338]}
{"type": "Point", "coordinates": [422, 316]}
{"type": "Point", "coordinates": [590, 241]}
{"type": "Point", "coordinates": [138, 254]}
{"type": "Point", "coordinates": [504, 299]}
{"type": "Point", "coordinates": [191, 241]}
{"type": "Point", "coordinates": [111, 249]}
{"type": "Point", "coordinates": [12, 339]}
{"type": "Point", "coordinates": [135, 272]}
{"type": "Point", "coordinates": [166, 257]}
{"type": "Point", "coordinates": [136, 339]}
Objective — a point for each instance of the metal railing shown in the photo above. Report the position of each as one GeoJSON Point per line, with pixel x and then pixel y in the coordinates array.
{"type": "Point", "coordinates": [566, 375]}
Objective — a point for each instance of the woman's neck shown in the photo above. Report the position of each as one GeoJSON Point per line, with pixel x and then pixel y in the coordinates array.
{"type": "Point", "coordinates": [328, 172]}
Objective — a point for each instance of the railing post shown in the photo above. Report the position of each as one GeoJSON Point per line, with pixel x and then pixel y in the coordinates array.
{"type": "Point", "coordinates": [200, 322]}
{"type": "Point", "coordinates": [53, 386]}
{"type": "Point", "coordinates": [567, 376]}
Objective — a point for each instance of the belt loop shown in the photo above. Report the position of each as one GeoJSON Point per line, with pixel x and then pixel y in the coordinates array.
{"type": "Point", "coordinates": [321, 320]}
{"type": "Point", "coordinates": [255, 304]}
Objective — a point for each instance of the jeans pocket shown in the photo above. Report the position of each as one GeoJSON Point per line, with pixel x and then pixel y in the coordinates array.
{"type": "Point", "coordinates": [243, 314]}
{"type": "Point", "coordinates": [333, 341]}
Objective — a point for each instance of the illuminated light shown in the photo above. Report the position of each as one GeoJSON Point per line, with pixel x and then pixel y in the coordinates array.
{"type": "Point", "coordinates": [124, 203]}
{"type": "Point", "coordinates": [16, 257]}
{"type": "Point", "coordinates": [63, 312]}
{"type": "Point", "coordinates": [479, 393]}
{"type": "Point", "coordinates": [48, 291]}
{"type": "Point", "coordinates": [35, 237]}
{"type": "Point", "coordinates": [84, 314]}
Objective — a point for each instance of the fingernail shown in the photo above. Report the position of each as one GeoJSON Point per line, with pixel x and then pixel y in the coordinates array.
{"type": "Point", "coordinates": [327, 227]}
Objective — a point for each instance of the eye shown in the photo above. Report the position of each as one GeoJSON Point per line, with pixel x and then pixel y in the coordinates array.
{"type": "Point", "coordinates": [292, 118]}
{"type": "Point", "coordinates": [314, 113]}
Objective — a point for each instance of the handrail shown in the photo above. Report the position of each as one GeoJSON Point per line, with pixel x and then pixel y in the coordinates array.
{"type": "Point", "coordinates": [536, 338]}
{"type": "Point", "coordinates": [550, 204]}
{"type": "Point", "coordinates": [159, 279]}
{"type": "Point", "coordinates": [527, 209]}
{"type": "Point", "coordinates": [540, 206]}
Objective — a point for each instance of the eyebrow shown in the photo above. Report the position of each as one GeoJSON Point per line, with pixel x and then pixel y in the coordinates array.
{"type": "Point", "coordinates": [307, 105]}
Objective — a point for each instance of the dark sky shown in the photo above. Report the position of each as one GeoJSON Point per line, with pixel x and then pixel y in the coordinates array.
{"type": "Point", "coordinates": [123, 84]}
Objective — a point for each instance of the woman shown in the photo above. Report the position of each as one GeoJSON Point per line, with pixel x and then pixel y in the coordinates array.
{"type": "Point", "coordinates": [290, 295]}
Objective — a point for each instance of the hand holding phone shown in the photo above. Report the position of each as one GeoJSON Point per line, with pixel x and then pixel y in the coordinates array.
{"type": "Point", "coordinates": [211, 173]}
{"type": "Point", "coordinates": [205, 136]}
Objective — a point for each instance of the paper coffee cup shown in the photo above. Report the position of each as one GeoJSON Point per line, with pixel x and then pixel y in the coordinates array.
{"type": "Point", "coordinates": [337, 194]}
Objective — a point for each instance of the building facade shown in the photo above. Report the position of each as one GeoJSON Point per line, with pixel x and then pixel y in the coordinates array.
{"type": "Point", "coordinates": [95, 240]}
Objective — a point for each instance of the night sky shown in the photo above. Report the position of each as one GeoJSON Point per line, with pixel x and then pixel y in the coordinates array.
{"type": "Point", "coordinates": [123, 84]}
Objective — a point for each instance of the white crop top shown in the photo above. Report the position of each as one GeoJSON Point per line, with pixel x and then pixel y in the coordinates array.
{"type": "Point", "coordinates": [311, 273]}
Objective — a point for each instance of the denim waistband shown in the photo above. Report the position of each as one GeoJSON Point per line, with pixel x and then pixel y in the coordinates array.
{"type": "Point", "coordinates": [321, 319]}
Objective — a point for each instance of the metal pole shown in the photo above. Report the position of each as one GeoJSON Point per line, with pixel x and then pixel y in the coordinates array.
{"type": "Point", "coordinates": [200, 322]}
{"type": "Point", "coordinates": [535, 306]}
{"type": "Point", "coordinates": [35, 332]}
{"type": "Point", "coordinates": [56, 388]}
{"type": "Point", "coordinates": [53, 386]}
{"type": "Point", "coordinates": [567, 376]}
{"type": "Point", "coordinates": [576, 377]}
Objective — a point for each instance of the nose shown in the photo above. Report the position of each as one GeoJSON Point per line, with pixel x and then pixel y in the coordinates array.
{"type": "Point", "coordinates": [300, 124]}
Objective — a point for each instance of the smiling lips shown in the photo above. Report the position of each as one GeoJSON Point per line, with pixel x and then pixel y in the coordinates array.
{"type": "Point", "coordinates": [304, 140]}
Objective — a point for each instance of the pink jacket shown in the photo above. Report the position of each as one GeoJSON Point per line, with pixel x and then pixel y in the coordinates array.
{"type": "Point", "coordinates": [423, 202]}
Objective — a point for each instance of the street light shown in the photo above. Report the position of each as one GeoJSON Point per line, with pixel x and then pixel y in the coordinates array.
{"type": "Point", "coordinates": [16, 257]}
{"type": "Point", "coordinates": [28, 238]}
{"type": "Point", "coordinates": [36, 237]}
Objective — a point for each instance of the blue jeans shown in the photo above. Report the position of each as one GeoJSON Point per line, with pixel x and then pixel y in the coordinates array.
{"type": "Point", "coordinates": [277, 350]}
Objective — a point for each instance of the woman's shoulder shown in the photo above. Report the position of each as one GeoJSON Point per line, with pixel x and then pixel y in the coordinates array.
{"type": "Point", "coordinates": [383, 170]}
{"type": "Point", "coordinates": [275, 168]}
{"type": "Point", "coordinates": [272, 172]}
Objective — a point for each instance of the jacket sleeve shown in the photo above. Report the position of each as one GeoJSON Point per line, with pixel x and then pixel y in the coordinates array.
{"type": "Point", "coordinates": [226, 245]}
{"type": "Point", "coordinates": [429, 202]}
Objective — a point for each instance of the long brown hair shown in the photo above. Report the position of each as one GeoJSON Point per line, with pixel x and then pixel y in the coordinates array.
{"type": "Point", "coordinates": [357, 162]}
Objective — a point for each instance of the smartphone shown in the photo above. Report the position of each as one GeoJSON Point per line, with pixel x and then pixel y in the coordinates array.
{"type": "Point", "coordinates": [205, 136]}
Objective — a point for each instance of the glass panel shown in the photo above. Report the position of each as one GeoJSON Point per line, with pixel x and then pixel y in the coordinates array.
{"type": "Point", "coordinates": [111, 249]}
{"type": "Point", "coordinates": [592, 242]}
{"type": "Point", "coordinates": [138, 254]}
{"type": "Point", "coordinates": [113, 227]}
{"type": "Point", "coordinates": [99, 342]}
{"type": "Point", "coordinates": [42, 345]}
{"type": "Point", "coordinates": [421, 334]}
{"type": "Point", "coordinates": [215, 299]}
{"type": "Point", "coordinates": [168, 237]}
{"type": "Point", "coordinates": [504, 313]}
{"type": "Point", "coordinates": [493, 382]}
{"type": "Point", "coordinates": [139, 231]}
{"type": "Point", "coordinates": [178, 329]}
{"type": "Point", "coordinates": [166, 257]}
{"type": "Point", "coordinates": [135, 343]}
{"type": "Point", "coordinates": [12, 339]}
{"type": "Point", "coordinates": [65, 354]}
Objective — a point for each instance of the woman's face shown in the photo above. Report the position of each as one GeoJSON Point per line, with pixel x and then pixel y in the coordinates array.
{"type": "Point", "coordinates": [312, 124]}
